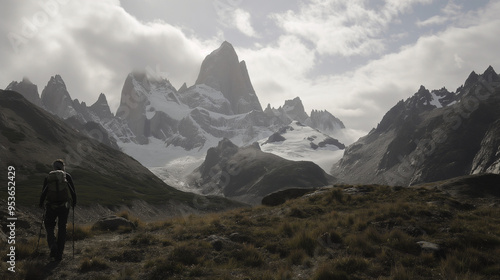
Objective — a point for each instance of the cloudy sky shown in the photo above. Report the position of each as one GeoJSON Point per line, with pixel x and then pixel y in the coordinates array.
{"type": "Point", "coordinates": [354, 58]}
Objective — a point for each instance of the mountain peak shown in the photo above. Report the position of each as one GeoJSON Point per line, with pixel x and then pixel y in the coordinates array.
{"type": "Point", "coordinates": [102, 98]}
{"type": "Point", "coordinates": [472, 79]}
{"type": "Point", "coordinates": [226, 44]}
{"type": "Point", "coordinates": [490, 75]}
{"type": "Point", "coordinates": [27, 89]}
{"type": "Point", "coordinates": [56, 98]}
{"type": "Point", "coordinates": [222, 71]}
{"type": "Point", "coordinates": [294, 109]}
{"type": "Point", "coordinates": [101, 107]}
{"type": "Point", "coordinates": [26, 80]}
{"type": "Point", "coordinates": [57, 79]}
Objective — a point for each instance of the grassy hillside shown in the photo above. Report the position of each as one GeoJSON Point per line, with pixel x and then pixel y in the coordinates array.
{"type": "Point", "coordinates": [345, 232]}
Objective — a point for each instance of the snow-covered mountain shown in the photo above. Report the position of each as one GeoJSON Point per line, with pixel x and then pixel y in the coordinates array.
{"type": "Point", "coordinates": [170, 130]}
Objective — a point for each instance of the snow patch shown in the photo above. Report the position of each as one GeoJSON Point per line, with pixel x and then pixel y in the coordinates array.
{"type": "Point", "coordinates": [297, 147]}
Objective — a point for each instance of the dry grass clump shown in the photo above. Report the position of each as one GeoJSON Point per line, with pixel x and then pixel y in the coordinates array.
{"type": "Point", "coordinates": [126, 215]}
{"type": "Point", "coordinates": [144, 238]}
{"type": "Point", "coordinates": [305, 241]}
{"type": "Point", "coordinates": [80, 232]}
{"type": "Point", "coordinates": [93, 264]}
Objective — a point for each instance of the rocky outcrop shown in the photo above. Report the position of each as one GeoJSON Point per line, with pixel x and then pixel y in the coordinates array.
{"type": "Point", "coordinates": [113, 223]}
{"type": "Point", "coordinates": [276, 137]}
{"type": "Point", "coordinates": [280, 197]}
{"type": "Point", "coordinates": [487, 159]}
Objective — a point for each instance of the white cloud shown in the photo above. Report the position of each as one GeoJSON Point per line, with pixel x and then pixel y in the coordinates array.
{"type": "Point", "coordinates": [345, 28]}
{"type": "Point", "coordinates": [450, 12]}
{"type": "Point", "coordinates": [95, 44]}
{"type": "Point", "coordinates": [230, 15]}
{"type": "Point", "coordinates": [277, 68]}
{"type": "Point", "coordinates": [243, 23]}
{"type": "Point", "coordinates": [361, 97]}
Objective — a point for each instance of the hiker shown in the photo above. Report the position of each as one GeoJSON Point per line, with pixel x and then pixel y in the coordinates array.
{"type": "Point", "coordinates": [57, 187]}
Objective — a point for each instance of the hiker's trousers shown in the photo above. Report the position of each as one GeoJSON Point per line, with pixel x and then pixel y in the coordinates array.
{"type": "Point", "coordinates": [61, 214]}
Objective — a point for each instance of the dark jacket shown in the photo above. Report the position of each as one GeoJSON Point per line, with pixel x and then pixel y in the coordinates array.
{"type": "Point", "coordinates": [71, 187]}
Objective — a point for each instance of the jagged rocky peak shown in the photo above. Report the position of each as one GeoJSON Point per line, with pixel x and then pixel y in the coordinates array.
{"type": "Point", "coordinates": [140, 94]}
{"type": "Point", "coordinates": [444, 96]}
{"type": "Point", "coordinates": [137, 91]}
{"type": "Point", "coordinates": [472, 79]}
{"type": "Point", "coordinates": [421, 99]}
{"type": "Point", "coordinates": [469, 87]}
{"type": "Point", "coordinates": [222, 71]}
{"type": "Point", "coordinates": [55, 97]}
{"type": "Point", "coordinates": [27, 89]}
{"type": "Point", "coordinates": [101, 107]}
{"type": "Point", "coordinates": [295, 110]}
{"type": "Point", "coordinates": [183, 88]}
{"type": "Point", "coordinates": [324, 121]}
{"type": "Point", "coordinates": [292, 110]}
{"type": "Point", "coordinates": [490, 75]}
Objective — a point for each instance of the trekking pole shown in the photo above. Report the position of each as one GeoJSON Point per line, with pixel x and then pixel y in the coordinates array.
{"type": "Point", "coordinates": [73, 232]}
{"type": "Point", "coordinates": [40, 232]}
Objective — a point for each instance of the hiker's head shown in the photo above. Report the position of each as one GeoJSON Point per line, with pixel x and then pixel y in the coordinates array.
{"type": "Point", "coordinates": [58, 164]}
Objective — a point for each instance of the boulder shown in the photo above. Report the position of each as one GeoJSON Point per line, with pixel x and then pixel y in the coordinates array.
{"type": "Point", "coordinates": [429, 247]}
{"type": "Point", "coordinates": [112, 223]}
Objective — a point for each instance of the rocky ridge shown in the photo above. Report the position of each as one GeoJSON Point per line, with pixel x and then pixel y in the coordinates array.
{"type": "Point", "coordinates": [431, 136]}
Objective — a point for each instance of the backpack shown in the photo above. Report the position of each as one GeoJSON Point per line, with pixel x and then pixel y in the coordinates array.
{"type": "Point", "coordinates": [57, 188]}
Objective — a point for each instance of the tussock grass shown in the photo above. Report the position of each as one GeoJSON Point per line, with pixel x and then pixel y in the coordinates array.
{"type": "Point", "coordinates": [93, 264]}
{"type": "Point", "coordinates": [81, 232]}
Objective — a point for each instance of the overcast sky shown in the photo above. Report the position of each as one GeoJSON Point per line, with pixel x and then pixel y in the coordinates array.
{"type": "Point", "coordinates": [354, 58]}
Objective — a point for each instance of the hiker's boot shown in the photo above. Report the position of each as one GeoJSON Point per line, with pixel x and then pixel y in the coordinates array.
{"type": "Point", "coordinates": [54, 252]}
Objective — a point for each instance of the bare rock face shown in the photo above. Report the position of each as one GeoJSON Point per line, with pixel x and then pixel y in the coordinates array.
{"type": "Point", "coordinates": [137, 103]}
{"type": "Point", "coordinates": [56, 98]}
{"type": "Point", "coordinates": [222, 71]}
{"type": "Point", "coordinates": [487, 158]}
{"type": "Point", "coordinates": [101, 108]}
{"type": "Point", "coordinates": [324, 121]}
{"type": "Point", "coordinates": [27, 89]}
